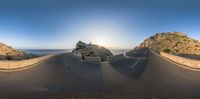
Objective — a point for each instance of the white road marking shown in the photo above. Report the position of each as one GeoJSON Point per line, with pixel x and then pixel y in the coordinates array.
{"type": "Point", "coordinates": [137, 61]}
{"type": "Point", "coordinates": [132, 66]}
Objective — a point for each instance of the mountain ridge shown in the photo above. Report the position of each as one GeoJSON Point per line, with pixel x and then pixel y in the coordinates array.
{"type": "Point", "coordinates": [9, 53]}
{"type": "Point", "coordinates": [176, 43]}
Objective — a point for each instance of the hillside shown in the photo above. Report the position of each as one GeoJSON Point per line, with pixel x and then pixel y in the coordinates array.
{"type": "Point", "coordinates": [9, 53]}
{"type": "Point", "coordinates": [174, 43]}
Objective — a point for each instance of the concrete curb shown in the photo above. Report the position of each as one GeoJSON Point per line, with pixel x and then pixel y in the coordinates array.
{"type": "Point", "coordinates": [139, 58]}
{"type": "Point", "coordinates": [179, 65]}
{"type": "Point", "coordinates": [90, 62]}
{"type": "Point", "coordinates": [115, 58]}
{"type": "Point", "coordinates": [26, 67]}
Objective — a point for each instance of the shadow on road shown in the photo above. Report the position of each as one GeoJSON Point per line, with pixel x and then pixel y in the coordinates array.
{"type": "Point", "coordinates": [132, 68]}
{"type": "Point", "coordinates": [124, 67]}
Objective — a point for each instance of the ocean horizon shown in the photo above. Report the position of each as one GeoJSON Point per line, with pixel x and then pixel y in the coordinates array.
{"type": "Point", "coordinates": [59, 51]}
{"type": "Point", "coordinates": [46, 51]}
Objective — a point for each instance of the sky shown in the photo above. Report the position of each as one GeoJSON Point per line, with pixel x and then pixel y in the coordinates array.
{"type": "Point", "coordinates": [121, 24]}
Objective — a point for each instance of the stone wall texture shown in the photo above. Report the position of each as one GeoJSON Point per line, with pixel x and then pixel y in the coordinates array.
{"type": "Point", "coordinates": [77, 56]}
{"type": "Point", "coordinates": [115, 57]}
{"type": "Point", "coordinates": [15, 64]}
{"type": "Point", "coordinates": [191, 63]}
{"type": "Point", "coordinates": [93, 59]}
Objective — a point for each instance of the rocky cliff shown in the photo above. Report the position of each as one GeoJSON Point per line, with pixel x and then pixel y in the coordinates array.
{"type": "Point", "coordinates": [175, 43]}
{"type": "Point", "coordinates": [92, 50]}
{"type": "Point", "coordinates": [9, 53]}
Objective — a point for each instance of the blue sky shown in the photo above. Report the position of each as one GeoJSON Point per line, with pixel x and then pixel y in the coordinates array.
{"type": "Point", "coordinates": [59, 24]}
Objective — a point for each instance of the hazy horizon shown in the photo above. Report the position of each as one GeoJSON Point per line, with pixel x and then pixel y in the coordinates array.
{"type": "Point", "coordinates": [115, 24]}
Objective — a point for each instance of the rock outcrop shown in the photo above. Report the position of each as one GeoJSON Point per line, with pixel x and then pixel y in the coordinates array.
{"type": "Point", "coordinates": [174, 43]}
{"type": "Point", "coordinates": [9, 53]}
{"type": "Point", "coordinates": [92, 50]}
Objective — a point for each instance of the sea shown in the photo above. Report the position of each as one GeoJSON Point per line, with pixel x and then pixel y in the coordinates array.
{"type": "Point", "coordinates": [59, 51]}
{"type": "Point", "coordinates": [46, 51]}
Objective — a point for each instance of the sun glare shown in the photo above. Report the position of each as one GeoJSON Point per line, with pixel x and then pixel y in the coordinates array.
{"type": "Point", "coordinates": [106, 34]}
{"type": "Point", "coordinates": [102, 35]}
{"type": "Point", "coordinates": [100, 40]}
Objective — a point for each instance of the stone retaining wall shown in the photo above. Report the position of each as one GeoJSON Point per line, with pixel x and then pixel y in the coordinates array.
{"type": "Point", "coordinates": [115, 57]}
{"type": "Point", "coordinates": [93, 59]}
{"type": "Point", "coordinates": [15, 64]}
{"type": "Point", "coordinates": [191, 63]}
{"type": "Point", "coordinates": [77, 56]}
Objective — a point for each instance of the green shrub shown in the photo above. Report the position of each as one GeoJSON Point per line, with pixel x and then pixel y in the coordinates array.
{"type": "Point", "coordinates": [195, 41]}
{"type": "Point", "coordinates": [177, 43]}
{"type": "Point", "coordinates": [167, 50]}
{"type": "Point", "coordinates": [185, 40]}
{"type": "Point", "coordinates": [187, 48]}
{"type": "Point", "coordinates": [177, 51]}
{"type": "Point", "coordinates": [173, 36]}
{"type": "Point", "coordinates": [168, 39]}
{"type": "Point", "coordinates": [8, 57]}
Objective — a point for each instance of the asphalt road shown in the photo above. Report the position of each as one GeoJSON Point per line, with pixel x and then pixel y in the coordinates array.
{"type": "Point", "coordinates": [130, 77]}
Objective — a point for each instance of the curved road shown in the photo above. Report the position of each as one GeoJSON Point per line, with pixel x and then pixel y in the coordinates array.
{"type": "Point", "coordinates": [131, 77]}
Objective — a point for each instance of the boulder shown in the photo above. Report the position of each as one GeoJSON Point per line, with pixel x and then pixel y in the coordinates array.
{"type": "Point", "coordinates": [92, 50]}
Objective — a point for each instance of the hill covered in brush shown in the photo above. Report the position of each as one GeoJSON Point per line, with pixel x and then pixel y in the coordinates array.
{"type": "Point", "coordinates": [9, 53]}
{"type": "Point", "coordinates": [174, 43]}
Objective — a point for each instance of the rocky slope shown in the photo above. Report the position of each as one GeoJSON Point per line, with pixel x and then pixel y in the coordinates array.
{"type": "Point", "coordinates": [175, 43]}
{"type": "Point", "coordinates": [92, 50]}
{"type": "Point", "coordinates": [9, 53]}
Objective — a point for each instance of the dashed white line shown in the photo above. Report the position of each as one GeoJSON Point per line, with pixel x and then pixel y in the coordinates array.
{"type": "Point", "coordinates": [132, 66]}
{"type": "Point", "coordinates": [137, 61]}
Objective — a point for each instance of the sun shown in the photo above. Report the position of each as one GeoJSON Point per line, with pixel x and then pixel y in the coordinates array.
{"type": "Point", "coordinates": [102, 40]}
{"type": "Point", "coordinates": [103, 34]}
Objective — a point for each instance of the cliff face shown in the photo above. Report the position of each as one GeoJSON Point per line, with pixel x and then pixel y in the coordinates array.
{"type": "Point", "coordinates": [175, 43]}
{"type": "Point", "coordinates": [92, 50]}
{"type": "Point", "coordinates": [9, 53]}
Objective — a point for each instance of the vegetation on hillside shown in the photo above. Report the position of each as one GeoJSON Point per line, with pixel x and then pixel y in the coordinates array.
{"type": "Point", "coordinates": [9, 53]}
{"type": "Point", "coordinates": [174, 43]}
